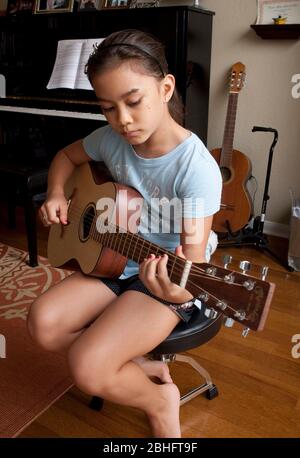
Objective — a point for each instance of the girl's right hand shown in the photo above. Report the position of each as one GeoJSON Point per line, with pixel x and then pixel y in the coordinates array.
{"type": "Point", "coordinates": [54, 210]}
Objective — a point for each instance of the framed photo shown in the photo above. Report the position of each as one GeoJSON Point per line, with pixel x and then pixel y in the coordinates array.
{"type": "Point", "coordinates": [144, 3]}
{"type": "Point", "coordinates": [19, 6]}
{"type": "Point", "coordinates": [3, 7]}
{"type": "Point", "coordinates": [88, 5]}
{"type": "Point", "coordinates": [112, 4]}
{"type": "Point", "coordinates": [53, 6]}
{"type": "Point", "coordinates": [268, 10]}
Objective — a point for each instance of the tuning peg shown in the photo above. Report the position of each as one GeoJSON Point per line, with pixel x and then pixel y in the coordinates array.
{"type": "Point", "coordinates": [245, 332]}
{"type": "Point", "coordinates": [198, 304]}
{"type": "Point", "coordinates": [228, 322]}
{"type": "Point", "coordinates": [210, 313]}
{"type": "Point", "coordinates": [211, 270]}
{"type": "Point", "coordinates": [230, 278]}
{"type": "Point", "coordinates": [240, 314]}
{"type": "Point", "coordinates": [249, 285]}
{"type": "Point", "coordinates": [222, 305]}
{"type": "Point", "coordinates": [264, 272]}
{"type": "Point", "coordinates": [203, 297]}
{"type": "Point", "coordinates": [226, 260]}
{"type": "Point", "coordinates": [245, 266]}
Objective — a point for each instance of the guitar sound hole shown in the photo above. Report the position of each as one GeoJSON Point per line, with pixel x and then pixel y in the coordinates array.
{"type": "Point", "coordinates": [226, 174]}
{"type": "Point", "coordinates": [86, 222]}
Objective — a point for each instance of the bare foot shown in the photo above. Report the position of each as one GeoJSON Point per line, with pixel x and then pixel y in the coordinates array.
{"type": "Point", "coordinates": [154, 369]}
{"type": "Point", "coordinates": [165, 420]}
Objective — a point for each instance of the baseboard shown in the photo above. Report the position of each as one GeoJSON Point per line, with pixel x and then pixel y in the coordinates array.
{"type": "Point", "coordinates": [278, 229]}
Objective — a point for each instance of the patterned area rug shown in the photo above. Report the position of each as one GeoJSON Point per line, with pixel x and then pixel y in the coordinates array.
{"type": "Point", "coordinates": [30, 379]}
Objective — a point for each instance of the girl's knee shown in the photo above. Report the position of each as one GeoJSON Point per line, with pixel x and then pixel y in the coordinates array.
{"type": "Point", "coordinates": [42, 324]}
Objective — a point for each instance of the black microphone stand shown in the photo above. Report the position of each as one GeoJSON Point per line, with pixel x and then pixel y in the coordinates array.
{"type": "Point", "coordinates": [254, 236]}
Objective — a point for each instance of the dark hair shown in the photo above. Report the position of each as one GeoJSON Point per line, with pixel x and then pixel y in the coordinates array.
{"type": "Point", "coordinates": [137, 46]}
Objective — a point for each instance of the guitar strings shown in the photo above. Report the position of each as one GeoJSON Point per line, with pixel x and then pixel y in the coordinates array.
{"type": "Point", "coordinates": [195, 270]}
{"type": "Point", "coordinates": [127, 243]}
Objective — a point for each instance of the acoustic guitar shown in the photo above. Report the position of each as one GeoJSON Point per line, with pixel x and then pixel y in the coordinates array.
{"type": "Point", "coordinates": [100, 241]}
{"type": "Point", "coordinates": [236, 205]}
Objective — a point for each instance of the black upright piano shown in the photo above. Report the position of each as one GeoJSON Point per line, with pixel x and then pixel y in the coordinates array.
{"type": "Point", "coordinates": [57, 117]}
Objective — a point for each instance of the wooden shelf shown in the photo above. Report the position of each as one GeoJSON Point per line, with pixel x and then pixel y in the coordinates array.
{"type": "Point", "coordinates": [273, 31]}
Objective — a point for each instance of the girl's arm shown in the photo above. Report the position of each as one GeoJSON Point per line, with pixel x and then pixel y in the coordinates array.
{"type": "Point", "coordinates": [194, 237]}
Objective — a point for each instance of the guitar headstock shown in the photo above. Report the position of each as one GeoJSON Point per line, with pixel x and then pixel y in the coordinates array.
{"type": "Point", "coordinates": [239, 296]}
{"type": "Point", "coordinates": [237, 77]}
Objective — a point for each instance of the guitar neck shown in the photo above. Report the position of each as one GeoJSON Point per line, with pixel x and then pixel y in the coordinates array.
{"type": "Point", "coordinates": [227, 146]}
{"type": "Point", "coordinates": [135, 247]}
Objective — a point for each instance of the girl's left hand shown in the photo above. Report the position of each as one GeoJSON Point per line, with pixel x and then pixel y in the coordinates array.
{"type": "Point", "coordinates": [154, 274]}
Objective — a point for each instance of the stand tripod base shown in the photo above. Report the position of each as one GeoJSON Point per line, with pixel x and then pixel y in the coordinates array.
{"type": "Point", "coordinates": [254, 236]}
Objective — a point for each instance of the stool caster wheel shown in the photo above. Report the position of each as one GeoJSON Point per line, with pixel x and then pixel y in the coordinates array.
{"type": "Point", "coordinates": [96, 403]}
{"type": "Point", "coordinates": [212, 392]}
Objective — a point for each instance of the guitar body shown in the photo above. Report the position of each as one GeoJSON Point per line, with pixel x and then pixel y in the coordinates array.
{"type": "Point", "coordinates": [71, 245]}
{"type": "Point", "coordinates": [236, 204]}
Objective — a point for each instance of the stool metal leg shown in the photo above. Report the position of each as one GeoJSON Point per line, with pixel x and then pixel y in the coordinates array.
{"type": "Point", "coordinates": [208, 386]}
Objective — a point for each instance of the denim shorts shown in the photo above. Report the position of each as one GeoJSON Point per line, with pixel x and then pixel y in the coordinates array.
{"type": "Point", "coordinates": [118, 286]}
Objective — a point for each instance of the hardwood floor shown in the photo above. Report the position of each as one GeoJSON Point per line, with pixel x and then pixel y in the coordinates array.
{"type": "Point", "coordinates": [257, 377]}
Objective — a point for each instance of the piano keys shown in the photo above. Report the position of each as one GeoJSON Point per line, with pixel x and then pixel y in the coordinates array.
{"type": "Point", "coordinates": [43, 106]}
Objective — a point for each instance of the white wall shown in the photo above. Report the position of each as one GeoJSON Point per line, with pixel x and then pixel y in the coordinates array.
{"type": "Point", "coordinates": [266, 100]}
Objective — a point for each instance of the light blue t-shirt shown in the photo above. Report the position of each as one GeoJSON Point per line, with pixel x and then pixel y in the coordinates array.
{"type": "Point", "coordinates": [188, 174]}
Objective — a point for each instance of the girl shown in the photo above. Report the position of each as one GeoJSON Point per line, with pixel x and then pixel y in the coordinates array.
{"type": "Point", "coordinates": [106, 325]}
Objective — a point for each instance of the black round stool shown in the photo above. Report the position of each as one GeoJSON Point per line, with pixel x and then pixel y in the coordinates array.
{"type": "Point", "coordinates": [185, 336]}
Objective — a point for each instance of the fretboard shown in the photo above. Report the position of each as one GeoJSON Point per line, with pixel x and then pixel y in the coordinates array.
{"type": "Point", "coordinates": [226, 154]}
{"type": "Point", "coordinates": [135, 247]}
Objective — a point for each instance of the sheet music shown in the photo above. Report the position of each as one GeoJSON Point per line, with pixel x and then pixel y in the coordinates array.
{"type": "Point", "coordinates": [66, 64]}
{"type": "Point", "coordinates": [71, 57]}
{"type": "Point", "coordinates": [82, 81]}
